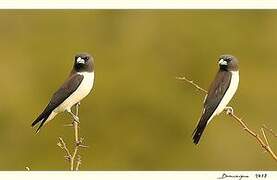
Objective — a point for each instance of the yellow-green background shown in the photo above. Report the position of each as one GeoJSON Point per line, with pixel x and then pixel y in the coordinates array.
{"type": "Point", "coordinates": [138, 117]}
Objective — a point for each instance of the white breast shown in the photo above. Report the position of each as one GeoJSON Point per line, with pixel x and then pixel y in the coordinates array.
{"type": "Point", "coordinates": [228, 95]}
{"type": "Point", "coordinates": [81, 92]}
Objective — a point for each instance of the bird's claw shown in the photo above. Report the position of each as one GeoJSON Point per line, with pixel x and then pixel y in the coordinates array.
{"type": "Point", "coordinates": [229, 110]}
{"type": "Point", "coordinates": [76, 119]}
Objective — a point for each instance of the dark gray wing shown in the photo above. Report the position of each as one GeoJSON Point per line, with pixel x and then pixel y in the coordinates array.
{"type": "Point", "coordinates": [59, 97]}
{"type": "Point", "coordinates": [65, 91]}
{"type": "Point", "coordinates": [216, 92]}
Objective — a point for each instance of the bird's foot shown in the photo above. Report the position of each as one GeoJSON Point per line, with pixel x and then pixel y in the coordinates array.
{"type": "Point", "coordinates": [76, 119]}
{"type": "Point", "coordinates": [229, 110]}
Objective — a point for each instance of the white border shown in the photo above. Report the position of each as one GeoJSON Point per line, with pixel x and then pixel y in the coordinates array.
{"type": "Point", "coordinates": [138, 4]}
{"type": "Point", "coordinates": [131, 175]}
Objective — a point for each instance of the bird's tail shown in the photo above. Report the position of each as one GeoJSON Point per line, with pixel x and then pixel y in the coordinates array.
{"type": "Point", "coordinates": [197, 133]}
{"type": "Point", "coordinates": [41, 118]}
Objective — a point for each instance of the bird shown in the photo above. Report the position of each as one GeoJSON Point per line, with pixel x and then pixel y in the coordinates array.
{"type": "Point", "coordinates": [77, 86]}
{"type": "Point", "coordinates": [221, 91]}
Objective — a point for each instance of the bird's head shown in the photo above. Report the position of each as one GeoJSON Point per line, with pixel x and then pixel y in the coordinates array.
{"type": "Point", "coordinates": [228, 63]}
{"type": "Point", "coordinates": [83, 63]}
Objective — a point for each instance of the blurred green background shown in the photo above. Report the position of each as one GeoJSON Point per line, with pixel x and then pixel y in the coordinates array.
{"type": "Point", "coordinates": [138, 117]}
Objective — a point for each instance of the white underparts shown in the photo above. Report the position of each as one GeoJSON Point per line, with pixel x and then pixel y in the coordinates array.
{"type": "Point", "coordinates": [81, 92]}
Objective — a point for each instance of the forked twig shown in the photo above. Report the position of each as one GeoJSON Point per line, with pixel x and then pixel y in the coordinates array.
{"type": "Point", "coordinates": [74, 158]}
{"type": "Point", "coordinates": [270, 130]}
{"type": "Point", "coordinates": [63, 146]}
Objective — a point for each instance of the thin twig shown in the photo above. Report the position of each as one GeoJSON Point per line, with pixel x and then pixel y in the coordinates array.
{"type": "Point", "coordinates": [264, 144]}
{"type": "Point", "coordinates": [73, 157]}
{"type": "Point", "coordinates": [265, 138]}
{"type": "Point", "coordinates": [270, 130]}
{"type": "Point", "coordinates": [79, 162]}
{"type": "Point", "coordinates": [76, 125]}
{"type": "Point", "coordinates": [63, 146]}
{"type": "Point", "coordinates": [194, 84]}
{"type": "Point", "coordinates": [76, 135]}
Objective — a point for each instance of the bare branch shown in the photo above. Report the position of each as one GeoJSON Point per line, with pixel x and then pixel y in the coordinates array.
{"type": "Point", "coordinates": [63, 146]}
{"type": "Point", "coordinates": [194, 84]}
{"type": "Point", "coordinates": [264, 144]}
{"type": "Point", "coordinates": [73, 157]}
{"type": "Point", "coordinates": [265, 138]}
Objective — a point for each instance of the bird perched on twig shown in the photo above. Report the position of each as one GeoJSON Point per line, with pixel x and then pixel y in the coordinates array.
{"type": "Point", "coordinates": [73, 90]}
{"type": "Point", "coordinates": [221, 91]}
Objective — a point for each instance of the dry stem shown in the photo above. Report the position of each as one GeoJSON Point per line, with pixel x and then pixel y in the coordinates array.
{"type": "Point", "coordinates": [264, 143]}
{"type": "Point", "coordinates": [74, 158]}
{"type": "Point", "coordinates": [270, 130]}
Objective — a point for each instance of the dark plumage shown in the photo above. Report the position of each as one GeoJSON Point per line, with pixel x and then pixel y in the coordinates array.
{"type": "Point", "coordinates": [215, 94]}
{"type": "Point", "coordinates": [226, 80]}
{"type": "Point", "coordinates": [59, 96]}
{"type": "Point", "coordinates": [74, 89]}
